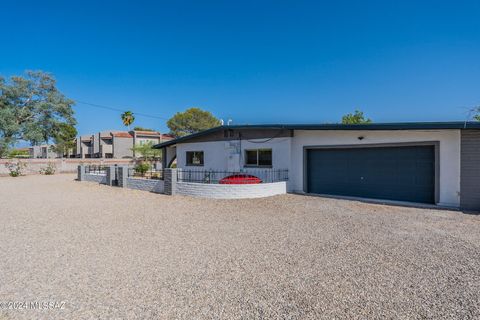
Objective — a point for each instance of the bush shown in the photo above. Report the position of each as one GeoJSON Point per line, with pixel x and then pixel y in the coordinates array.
{"type": "Point", "coordinates": [49, 170]}
{"type": "Point", "coordinates": [19, 153]}
{"type": "Point", "coordinates": [15, 168]}
{"type": "Point", "coordinates": [142, 168]}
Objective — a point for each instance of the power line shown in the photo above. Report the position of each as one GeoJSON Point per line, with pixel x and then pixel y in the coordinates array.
{"type": "Point", "coordinates": [118, 109]}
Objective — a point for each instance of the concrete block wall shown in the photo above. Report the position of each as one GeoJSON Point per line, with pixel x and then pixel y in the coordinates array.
{"type": "Point", "coordinates": [171, 186]}
{"type": "Point", "coordinates": [231, 191]}
{"type": "Point", "coordinates": [170, 176]}
{"type": "Point", "coordinates": [470, 170]}
{"type": "Point", "coordinates": [151, 185]}
{"type": "Point", "coordinates": [99, 178]}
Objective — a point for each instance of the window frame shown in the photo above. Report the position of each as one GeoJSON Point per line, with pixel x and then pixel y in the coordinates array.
{"type": "Point", "coordinates": [193, 164]}
{"type": "Point", "coordinates": [257, 165]}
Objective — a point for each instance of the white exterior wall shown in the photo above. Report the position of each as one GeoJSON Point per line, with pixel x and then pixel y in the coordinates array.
{"type": "Point", "coordinates": [287, 153]}
{"type": "Point", "coordinates": [229, 155]}
{"type": "Point", "coordinates": [449, 150]}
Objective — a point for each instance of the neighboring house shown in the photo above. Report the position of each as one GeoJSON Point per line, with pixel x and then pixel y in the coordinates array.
{"type": "Point", "coordinates": [122, 145]}
{"type": "Point", "coordinates": [434, 163]}
{"type": "Point", "coordinates": [102, 144]}
{"type": "Point", "coordinates": [43, 151]}
{"type": "Point", "coordinates": [115, 144]}
{"type": "Point", "coordinates": [84, 146]}
{"type": "Point", "coordinates": [143, 137]}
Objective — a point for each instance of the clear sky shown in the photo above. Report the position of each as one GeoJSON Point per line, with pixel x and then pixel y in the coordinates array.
{"type": "Point", "coordinates": [251, 61]}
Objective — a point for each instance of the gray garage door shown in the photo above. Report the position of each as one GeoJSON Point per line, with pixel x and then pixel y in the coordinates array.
{"type": "Point", "coordinates": [394, 173]}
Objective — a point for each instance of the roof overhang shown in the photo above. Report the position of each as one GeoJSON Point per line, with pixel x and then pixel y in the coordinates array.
{"type": "Point", "coordinates": [459, 125]}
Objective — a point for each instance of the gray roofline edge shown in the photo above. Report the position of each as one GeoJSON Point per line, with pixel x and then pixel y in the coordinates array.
{"type": "Point", "coordinates": [459, 125]}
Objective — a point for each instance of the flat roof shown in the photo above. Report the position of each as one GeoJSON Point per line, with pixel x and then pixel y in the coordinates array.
{"type": "Point", "coordinates": [368, 126]}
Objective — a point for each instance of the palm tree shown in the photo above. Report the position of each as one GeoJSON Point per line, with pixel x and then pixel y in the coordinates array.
{"type": "Point", "coordinates": [128, 118]}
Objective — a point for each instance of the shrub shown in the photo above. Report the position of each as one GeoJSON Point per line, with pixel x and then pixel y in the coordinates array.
{"type": "Point", "coordinates": [15, 168]}
{"type": "Point", "coordinates": [142, 168]}
{"type": "Point", "coordinates": [19, 153]}
{"type": "Point", "coordinates": [49, 169]}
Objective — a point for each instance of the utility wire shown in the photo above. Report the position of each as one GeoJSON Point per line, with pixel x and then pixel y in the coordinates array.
{"type": "Point", "coordinates": [118, 109]}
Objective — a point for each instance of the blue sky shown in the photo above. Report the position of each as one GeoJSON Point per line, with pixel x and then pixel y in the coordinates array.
{"type": "Point", "coordinates": [251, 61]}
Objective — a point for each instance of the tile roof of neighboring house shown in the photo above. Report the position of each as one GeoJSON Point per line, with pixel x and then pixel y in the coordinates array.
{"type": "Point", "coordinates": [122, 134]}
{"type": "Point", "coordinates": [168, 136]}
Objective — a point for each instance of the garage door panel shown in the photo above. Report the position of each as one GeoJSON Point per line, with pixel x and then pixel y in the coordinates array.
{"type": "Point", "coordinates": [397, 173]}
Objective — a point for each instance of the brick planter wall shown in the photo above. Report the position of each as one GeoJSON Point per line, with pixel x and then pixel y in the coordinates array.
{"type": "Point", "coordinates": [231, 191]}
{"type": "Point", "coordinates": [99, 178]}
{"type": "Point", "coordinates": [151, 185]}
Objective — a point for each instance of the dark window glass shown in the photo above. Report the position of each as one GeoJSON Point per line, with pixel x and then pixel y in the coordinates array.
{"type": "Point", "coordinates": [264, 157]}
{"type": "Point", "coordinates": [260, 157]}
{"type": "Point", "coordinates": [195, 158]}
{"type": "Point", "coordinates": [251, 158]}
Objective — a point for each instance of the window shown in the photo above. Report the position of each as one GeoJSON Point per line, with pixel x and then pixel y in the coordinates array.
{"type": "Point", "coordinates": [258, 158]}
{"type": "Point", "coordinates": [194, 158]}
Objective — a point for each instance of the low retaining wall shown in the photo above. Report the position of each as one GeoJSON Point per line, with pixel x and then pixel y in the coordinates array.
{"type": "Point", "coordinates": [231, 191]}
{"type": "Point", "coordinates": [65, 165]}
{"type": "Point", "coordinates": [151, 185]}
{"type": "Point", "coordinates": [99, 178]}
{"type": "Point", "coordinates": [171, 186]}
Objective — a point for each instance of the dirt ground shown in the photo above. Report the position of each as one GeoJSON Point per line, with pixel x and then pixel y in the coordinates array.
{"type": "Point", "coordinates": [79, 250]}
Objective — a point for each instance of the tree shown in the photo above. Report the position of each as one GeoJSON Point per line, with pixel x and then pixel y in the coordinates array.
{"type": "Point", "coordinates": [64, 138]}
{"type": "Point", "coordinates": [356, 118]}
{"type": "Point", "coordinates": [31, 108]}
{"type": "Point", "coordinates": [128, 118]}
{"type": "Point", "coordinates": [477, 111]}
{"type": "Point", "coordinates": [142, 129]}
{"type": "Point", "coordinates": [146, 151]}
{"type": "Point", "coordinates": [191, 121]}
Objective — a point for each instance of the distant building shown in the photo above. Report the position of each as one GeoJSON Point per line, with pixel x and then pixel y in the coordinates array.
{"type": "Point", "coordinates": [115, 144]}
{"type": "Point", "coordinates": [43, 151]}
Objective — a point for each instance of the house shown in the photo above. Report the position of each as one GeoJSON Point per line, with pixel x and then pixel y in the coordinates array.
{"type": "Point", "coordinates": [83, 146]}
{"type": "Point", "coordinates": [424, 162]}
{"type": "Point", "coordinates": [43, 151]}
{"type": "Point", "coordinates": [115, 144]}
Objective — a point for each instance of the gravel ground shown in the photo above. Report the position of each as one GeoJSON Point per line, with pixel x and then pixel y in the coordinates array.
{"type": "Point", "coordinates": [111, 253]}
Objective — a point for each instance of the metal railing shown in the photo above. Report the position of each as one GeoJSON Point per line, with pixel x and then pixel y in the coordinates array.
{"type": "Point", "coordinates": [149, 174]}
{"type": "Point", "coordinates": [96, 169]}
{"type": "Point", "coordinates": [233, 177]}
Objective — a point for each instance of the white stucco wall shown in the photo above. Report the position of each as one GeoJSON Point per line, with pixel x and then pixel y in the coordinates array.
{"type": "Point", "coordinates": [229, 155]}
{"type": "Point", "coordinates": [288, 153]}
{"type": "Point", "coordinates": [449, 153]}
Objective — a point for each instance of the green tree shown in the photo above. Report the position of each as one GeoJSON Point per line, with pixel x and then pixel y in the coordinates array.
{"type": "Point", "coordinates": [64, 138]}
{"type": "Point", "coordinates": [146, 152]}
{"type": "Point", "coordinates": [142, 129]}
{"type": "Point", "coordinates": [127, 118]}
{"type": "Point", "coordinates": [356, 118]}
{"type": "Point", "coordinates": [31, 108]}
{"type": "Point", "coordinates": [191, 121]}
{"type": "Point", "coordinates": [477, 111]}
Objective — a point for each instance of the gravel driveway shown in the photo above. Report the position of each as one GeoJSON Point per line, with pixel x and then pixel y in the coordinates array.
{"type": "Point", "coordinates": [108, 253]}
